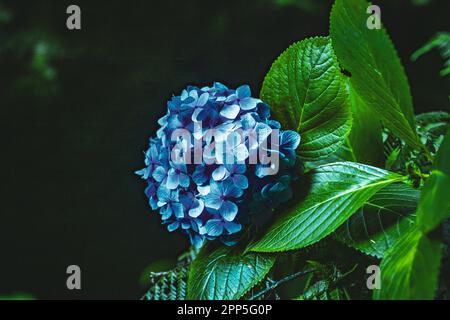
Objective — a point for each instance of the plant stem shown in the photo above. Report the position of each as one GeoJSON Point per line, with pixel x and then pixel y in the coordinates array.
{"type": "Point", "coordinates": [275, 284]}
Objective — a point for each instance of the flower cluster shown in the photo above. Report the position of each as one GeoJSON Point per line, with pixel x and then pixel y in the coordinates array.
{"type": "Point", "coordinates": [217, 158]}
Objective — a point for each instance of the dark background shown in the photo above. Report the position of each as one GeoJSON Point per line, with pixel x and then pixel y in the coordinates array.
{"type": "Point", "coordinates": [77, 108]}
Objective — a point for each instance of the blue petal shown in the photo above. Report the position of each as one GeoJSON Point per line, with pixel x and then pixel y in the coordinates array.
{"type": "Point", "coordinates": [163, 194]}
{"type": "Point", "coordinates": [196, 240]}
{"type": "Point", "coordinates": [216, 188]}
{"type": "Point", "coordinates": [229, 210]}
{"type": "Point", "coordinates": [202, 100]}
{"type": "Point", "coordinates": [193, 94]}
{"type": "Point", "coordinates": [247, 121]}
{"type": "Point", "coordinates": [153, 203]}
{"type": "Point", "coordinates": [239, 168]}
{"type": "Point", "coordinates": [203, 190]}
{"type": "Point", "coordinates": [232, 227]}
{"type": "Point", "coordinates": [243, 91]}
{"type": "Point", "coordinates": [230, 111]}
{"type": "Point", "coordinates": [143, 173]}
{"type": "Point", "coordinates": [198, 210]}
{"type": "Point", "coordinates": [185, 225]}
{"type": "Point", "coordinates": [230, 190]}
{"type": "Point", "coordinates": [264, 170]}
{"type": "Point", "coordinates": [249, 103]}
{"type": "Point", "coordinates": [290, 139]}
{"type": "Point", "coordinates": [173, 179]}
{"type": "Point", "coordinates": [214, 227]}
{"type": "Point", "coordinates": [163, 120]}
{"type": "Point", "coordinates": [199, 176]}
{"type": "Point", "coordinates": [213, 201]}
{"type": "Point", "coordinates": [231, 98]}
{"type": "Point", "coordinates": [263, 111]}
{"type": "Point", "coordinates": [184, 180]}
{"type": "Point", "coordinates": [220, 87]}
{"type": "Point", "coordinates": [159, 174]}
{"type": "Point", "coordinates": [220, 173]}
{"type": "Point", "coordinates": [173, 226]}
{"type": "Point", "coordinates": [178, 210]}
{"type": "Point", "coordinates": [166, 212]}
{"type": "Point", "coordinates": [236, 168]}
{"type": "Point", "coordinates": [150, 191]}
{"type": "Point", "coordinates": [240, 181]}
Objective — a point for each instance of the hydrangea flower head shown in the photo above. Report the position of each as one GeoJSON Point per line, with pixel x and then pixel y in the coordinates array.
{"type": "Point", "coordinates": [217, 159]}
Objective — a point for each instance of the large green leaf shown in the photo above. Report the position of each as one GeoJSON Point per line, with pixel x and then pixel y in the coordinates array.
{"type": "Point", "coordinates": [334, 192]}
{"type": "Point", "coordinates": [410, 269]}
{"type": "Point", "coordinates": [226, 274]}
{"type": "Point", "coordinates": [382, 220]}
{"type": "Point", "coordinates": [307, 93]}
{"type": "Point", "coordinates": [365, 139]}
{"type": "Point", "coordinates": [434, 204]}
{"type": "Point", "coordinates": [376, 71]}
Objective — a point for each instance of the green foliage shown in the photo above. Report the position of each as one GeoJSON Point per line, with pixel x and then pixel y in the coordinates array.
{"type": "Point", "coordinates": [434, 204]}
{"type": "Point", "coordinates": [169, 285]}
{"type": "Point", "coordinates": [334, 193]}
{"type": "Point", "coordinates": [156, 267]}
{"type": "Point", "coordinates": [306, 92]}
{"type": "Point", "coordinates": [17, 296]}
{"type": "Point", "coordinates": [368, 161]}
{"type": "Point", "coordinates": [382, 220]}
{"type": "Point", "coordinates": [431, 128]}
{"type": "Point", "coordinates": [226, 273]}
{"type": "Point", "coordinates": [410, 269]}
{"type": "Point", "coordinates": [440, 41]}
{"type": "Point", "coordinates": [365, 140]}
{"type": "Point", "coordinates": [377, 75]}
{"type": "Point", "coordinates": [325, 283]}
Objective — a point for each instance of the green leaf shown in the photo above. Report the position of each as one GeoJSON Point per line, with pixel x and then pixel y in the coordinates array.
{"type": "Point", "coordinates": [306, 92]}
{"type": "Point", "coordinates": [441, 41]}
{"type": "Point", "coordinates": [382, 220]}
{"type": "Point", "coordinates": [226, 274]}
{"type": "Point", "coordinates": [410, 269]}
{"type": "Point", "coordinates": [434, 204]}
{"type": "Point", "coordinates": [334, 192]}
{"type": "Point", "coordinates": [377, 74]}
{"type": "Point", "coordinates": [434, 123]}
{"type": "Point", "coordinates": [365, 139]}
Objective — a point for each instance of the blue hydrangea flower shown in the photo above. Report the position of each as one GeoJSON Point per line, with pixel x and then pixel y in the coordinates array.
{"type": "Point", "coordinates": [212, 198]}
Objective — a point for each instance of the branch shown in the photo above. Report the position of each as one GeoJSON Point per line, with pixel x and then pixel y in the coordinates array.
{"type": "Point", "coordinates": [275, 284]}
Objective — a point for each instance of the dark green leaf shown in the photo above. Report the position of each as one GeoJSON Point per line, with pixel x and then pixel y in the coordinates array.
{"type": "Point", "coordinates": [306, 92]}
{"type": "Point", "coordinates": [377, 75]}
{"type": "Point", "coordinates": [434, 204]}
{"type": "Point", "coordinates": [435, 123]}
{"type": "Point", "coordinates": [365, 139]}
{"type": "Point", "coordinates": [440, 41]}
{"type": "Point", "coordinates": [382, 220]}
{"type": "Point", "coordinates": [410, 269]}
{"type": "Point", "coordinates": [226, 274]}
{"type": "Point", "coordinates": [336, 191]}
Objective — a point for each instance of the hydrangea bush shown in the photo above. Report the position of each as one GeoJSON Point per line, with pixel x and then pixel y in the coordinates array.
{"type": "Point", "coordinates": [216, 161]}
{"type": "Point", "coordinates": [355, 191]}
